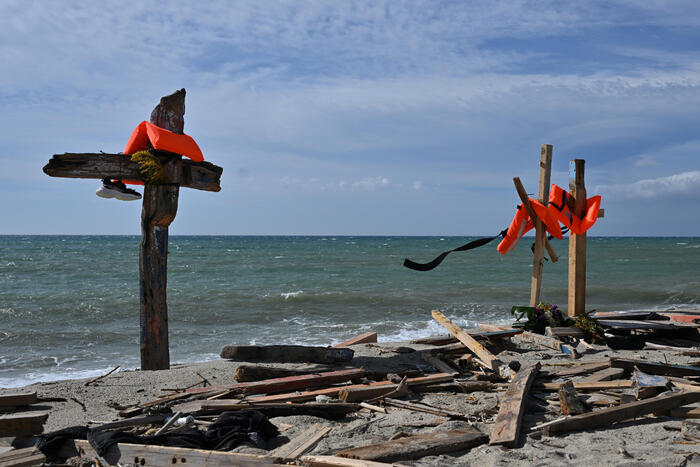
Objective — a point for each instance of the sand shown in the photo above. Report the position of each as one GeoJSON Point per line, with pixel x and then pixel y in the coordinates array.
{"type": "Point", "coordinates": [645, 441]}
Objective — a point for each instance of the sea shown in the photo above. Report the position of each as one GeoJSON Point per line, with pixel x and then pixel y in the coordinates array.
{"type": "Point", "coordinates": [69, 305]}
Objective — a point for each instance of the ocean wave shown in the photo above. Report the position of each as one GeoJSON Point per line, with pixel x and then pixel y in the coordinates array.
{"type": "Point", "coordinates": [33, 377]}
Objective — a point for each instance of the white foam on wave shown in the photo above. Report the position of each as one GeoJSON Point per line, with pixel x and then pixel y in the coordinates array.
{"type": "Point", "coordinates": [33, 377]}
{"type": "Point", "coordinates": [288, 295]}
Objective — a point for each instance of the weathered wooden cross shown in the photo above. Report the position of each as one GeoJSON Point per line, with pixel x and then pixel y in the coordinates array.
{"type": "Point", "coordinates": [158, 211]}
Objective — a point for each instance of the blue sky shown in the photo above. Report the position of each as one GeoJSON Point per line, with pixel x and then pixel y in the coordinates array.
{"type": "Point", "coordinates": [358, 118]}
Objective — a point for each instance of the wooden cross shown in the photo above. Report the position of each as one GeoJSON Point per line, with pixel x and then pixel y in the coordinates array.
{"type": "Point", "coordinates": [158, 211]}
{"type": "Point", "coordinates": [577, 243]}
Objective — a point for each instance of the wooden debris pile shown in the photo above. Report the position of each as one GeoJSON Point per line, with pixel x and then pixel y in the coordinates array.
{"type": "Point", "coordinates": [533, 396]}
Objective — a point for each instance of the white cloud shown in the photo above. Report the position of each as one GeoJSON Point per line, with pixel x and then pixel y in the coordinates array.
{"type": "Point", "coordinates": [682, 184]}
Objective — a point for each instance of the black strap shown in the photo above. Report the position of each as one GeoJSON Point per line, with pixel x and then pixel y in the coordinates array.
{"type": "Point", "coordinates": [436, 262]}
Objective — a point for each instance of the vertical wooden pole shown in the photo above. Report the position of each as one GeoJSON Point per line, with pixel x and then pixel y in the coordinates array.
{"type": "Point", "coordinates": [540, 231]}
{"type": "Point", "coordinates": [577, 243]}
{"type": "Point", "coordinates": [158, 211]}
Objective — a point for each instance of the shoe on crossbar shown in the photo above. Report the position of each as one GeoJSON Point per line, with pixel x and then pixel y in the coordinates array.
{"type": "Point", "coordinates": [116, 189]}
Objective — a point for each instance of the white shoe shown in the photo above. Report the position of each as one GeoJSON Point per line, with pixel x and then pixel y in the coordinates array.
{"type": "Point", "coordinates": [117, 189]}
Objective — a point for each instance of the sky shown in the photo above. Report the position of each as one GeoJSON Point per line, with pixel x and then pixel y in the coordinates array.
{"type": "Point", "coordinates": [358, 117]}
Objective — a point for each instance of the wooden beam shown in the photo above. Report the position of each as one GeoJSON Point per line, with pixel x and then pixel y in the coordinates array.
{"type": "Point", "coordinates": [540, 230]}
{"type": "Point", "coordinates": [606, 417]}
{"type": "Point", "coordinates": [577, 242]}
{"type": "Point", "coordinates": [286, 353]}
{"type": "Point", "coordinates": [479, 350]}
{"type": "Point", "coordinates": [158, 211]}
{"type": "Point", "coordinates": [368, 337]}
{"type": "Point", "coordinates": [368, 393]}
{"type": "Point", "coordinates": [289, 383]}
{"type": "Point", "coordinates": [22, 424]}
{"type": "Point", "coordinates": [417, 446]}
{"type": "Point", "coordinates": [197, 175]}
{"type": "Point", "coordinates": [564, 332]}
{"type": "Point", "coordinates": [138, 454]}
{"type": "Point", "coordinates": [656, 368]}
{"type": "Point", "coordinates": [248, 373]}
{"type": "Point", "coordinates": [591, 386]}
{"type": "Point", "coordinates": [510, 414]}
{"type": "Point", "coordinates": [17, 399]}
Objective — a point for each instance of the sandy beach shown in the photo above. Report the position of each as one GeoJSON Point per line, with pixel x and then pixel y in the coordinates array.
{"type": "Point", "coordinates": [644, 441]}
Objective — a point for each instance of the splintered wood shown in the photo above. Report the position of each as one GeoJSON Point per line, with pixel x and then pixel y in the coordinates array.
{"type": "Point", "coordinates": [507, 428]}
{"type": "Point", "coordinates": [417, 446]}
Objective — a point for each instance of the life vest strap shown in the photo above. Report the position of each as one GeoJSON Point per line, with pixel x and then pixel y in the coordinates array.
{"type": "Point", "coordinates": [436, 262]}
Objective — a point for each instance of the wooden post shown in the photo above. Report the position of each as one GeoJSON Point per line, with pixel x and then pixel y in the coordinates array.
{"type": "Point", "coordinates": [158, 211]}
{"type": "Point", "coordinates": [540, 231]}
{"type": "Point", "coordinates": [577, 243]}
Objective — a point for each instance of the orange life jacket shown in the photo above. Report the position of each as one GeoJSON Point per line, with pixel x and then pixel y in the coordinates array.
{"type": "Point", "coordinates": [147, 135]}
{"type": "Point", "coordinates": [522, 224]}
{"type": "Point", "coordinates": [558, 206]}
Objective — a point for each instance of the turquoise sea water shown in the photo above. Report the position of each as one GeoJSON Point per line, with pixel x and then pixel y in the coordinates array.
{"type": "Point", "coordinates": [69, 305]}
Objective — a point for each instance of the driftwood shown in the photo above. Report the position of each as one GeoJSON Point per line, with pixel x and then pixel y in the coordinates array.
{"type": "Point", "coordinates": [510, 414]}
{"type": "Point", "coordinates": [564, 332]}
{"type": "Point", "coordinates": [590, 386]}
{"type": "Point", "coordinates": [370, 393]}
{"type": "Point", "coordinates": [286, 353]}
{"type": "Point", "coordinates": [606, 417]}
{"type": "Point", "coordinates": [417, 446]}
{"type": "Point", "coordinates": [424, 408]}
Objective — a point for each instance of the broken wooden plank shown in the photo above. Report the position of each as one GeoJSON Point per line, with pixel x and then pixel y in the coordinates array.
{"type": "Point", "coordinates": [22, 424]}
{"type": "Point", "coordinates": [286, 353]}
{"type": "Point", "coordinates": [608, 374]}
{"type": "Point", "coordinates": [303, 442]}
{"type": "Point", "coordinates": [510, 414]}
{"type": "Point", "coordinates": [289, 383]}
{"type": "Point", "coordinates": [690, 430]}
{"type": "Point", "coordinates": [582, 367]}
{"type": "Point", "coordinates": [438, 364]}
{"type": "Point", "coordinates": [198, 175]}
{"type": "Point", "coordinates": [368, 393]}
{"type": "Point", "coordinates": [590, 386]}
{"type": "Point", "coordinates": [139, 454]}
{"type": "Point", "coordinates": [685, 412]}
{"type": "Point", "coordinates": [334, 461]}
{"type": "Point", "coordinates": [445, 340]}
{"type": "Point", "coordinates": [621, 413]}
{"type": "Point", "coordinates": [457, 386]}
{"type": "Point", "coordinates": [550, 343]}
{"type": "Point", "coordinates": [655, 368]}
{"type": "Point", "coordinates": [18, 399]}
{"type": "Point", "coordinates": [631, 324]}
{"type": "Point", "coordinates": [646, 386]}
{"type": "Point", "coordinates": [558, 332]}
{"type": "Point", "coordinates": [248, 373]}
{"type": "Point", "coordinates": [368, 337]}
{"type": "Point", "coordinates": [25, 457]}
{"type": "Point", "coordinates": [424, 408]}
{"type": "Point", "coordinates": [279, 409]}
{"type": "Point", "coordinates": [569, 401]}
{"type": "Point", "coordinates": [417, 446]}
{"type": "Point", "coordinates": [479, 350]}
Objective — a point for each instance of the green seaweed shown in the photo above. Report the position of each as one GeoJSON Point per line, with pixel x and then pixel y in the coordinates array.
{"type": "Point", "coordinates": [150, 167]}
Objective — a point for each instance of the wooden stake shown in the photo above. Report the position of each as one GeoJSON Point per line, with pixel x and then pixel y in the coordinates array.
{"type": "Point", "coordinates": [577, 243]}
{"type": "Point", "coordinates": [158, 211]}
{"type": "Point", "coordinates": [540, 231]}
{"type": "Point", "coordinates": [510, 414]}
